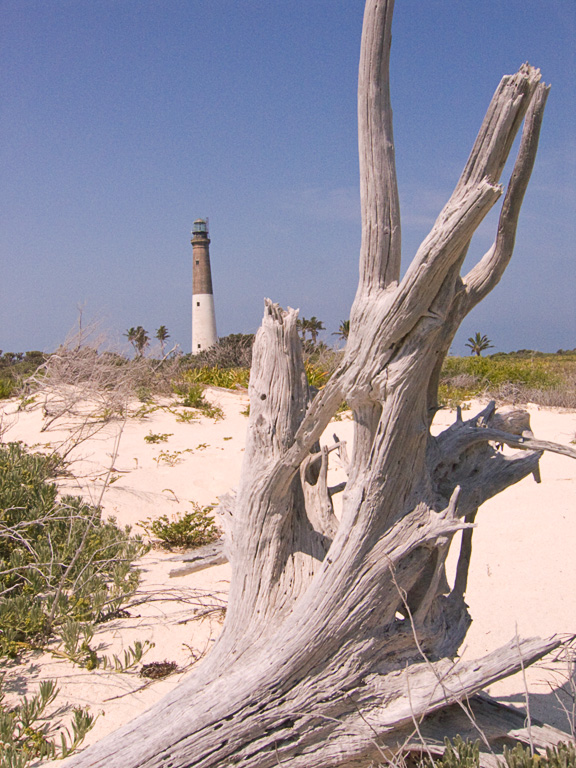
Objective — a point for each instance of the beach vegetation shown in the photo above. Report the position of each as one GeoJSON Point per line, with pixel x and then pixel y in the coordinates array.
{"type": "Point", "coordinates": [194, 528]}
{"type": "Point", "coordinates": [192, 394]}
{"type": "Point", "coordinates": [186, 417]}
{"type": "Point", "coordinates": [14, 368]}
{"type": "Point", "coordinates": [232, 351]}
{"type": "Point", "coordinates": [460, 753]}
{"type": "Point", "coordinates": [76, 645]}
{"type": "Point", "coordinates": [343, 330]}
{"type": "Point", "coordinates": [157, 670]}
{"type": "Point", "coordinates": [216, 376]}
{"type": "Point", "coordinates": [162, 335]}
{"type": "Point", "coordinates": [517, 377]}
{"type": "Point", "coordinates": [139, 339]}
{"type": "Point", "coordinates": [59, 559]}
{"type": "Point", "coordinates": [27, 733]}
{"type": "Point", "coordinates": [478, 343]}
{"type": "Point", "coordinates": [157, 437]}
{"type": "Point", "coordinates": [316, 374]}
{"type": "Point", "coordinates": [171, 458]}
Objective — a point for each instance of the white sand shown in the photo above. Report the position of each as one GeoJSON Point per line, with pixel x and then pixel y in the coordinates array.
{"type": "Point", "coordinates": [522, 579]}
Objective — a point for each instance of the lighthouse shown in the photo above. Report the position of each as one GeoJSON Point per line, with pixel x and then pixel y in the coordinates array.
{"type": "Point", "coordinates": [203, 316]}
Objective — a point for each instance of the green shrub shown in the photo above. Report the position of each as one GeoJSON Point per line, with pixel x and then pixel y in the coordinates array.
{"type": "Point", "coordinates": [192, 394]}
{"type": "Point", "coordinates": [171, 457]}
{"type": "Point", "coordinates": [560, 756]}
{"type": "Point", "coordinates": [192, 529]}
{"type": "Point", "coordinates": [58, 558]}
{"type": "Point", "coordinates": [7, 388]}
{"type": "Point", "coordinates": [466, 754]}
{"type": "Point", "coordinates": [26, 734]}
{"type": "Point", "coordinates": [458, 754]}
{"type": "Point", "coordinates": [233, 351]}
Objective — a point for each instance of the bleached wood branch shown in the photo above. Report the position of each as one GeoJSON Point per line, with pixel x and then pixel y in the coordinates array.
{"type": "Point", "coordinates": [380, 252]}
{"type": "Point", "coordinates": [487, 273]}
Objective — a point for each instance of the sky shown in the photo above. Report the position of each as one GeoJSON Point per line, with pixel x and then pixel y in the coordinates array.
{"type": "Point", "coordinates": [122, 121]}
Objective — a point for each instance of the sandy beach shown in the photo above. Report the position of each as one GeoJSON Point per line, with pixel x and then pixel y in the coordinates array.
{"type": "Point", "coordinates": [522, 576]}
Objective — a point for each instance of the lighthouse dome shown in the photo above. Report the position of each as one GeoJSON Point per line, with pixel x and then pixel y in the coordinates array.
{"type": "Point", "coordinates": [200, 226]}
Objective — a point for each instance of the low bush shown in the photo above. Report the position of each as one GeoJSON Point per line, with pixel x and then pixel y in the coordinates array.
{"type": "Point", "coordinates": [14, 368]}
{"type": "Point", "coordinates": [7, 388]}
{"type": "Point", "coordinates": [466, 754]}
{"type": "Point", "coordinates": [233, 351]}
{"type": "Point", "coordinates": [192, 529]}
{"type": "Point", "coordinates": [58, 559]}
{"type": "Point", "coordinates": [27, 734]}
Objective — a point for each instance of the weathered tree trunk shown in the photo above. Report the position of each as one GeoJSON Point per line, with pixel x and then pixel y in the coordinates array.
{"type": "Point", "coordinates": [341, 635]}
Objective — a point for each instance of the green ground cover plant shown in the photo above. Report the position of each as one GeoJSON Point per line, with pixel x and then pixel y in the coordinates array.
{"type": "Point", "coordinates": [157, 437]}
{"type": "Point", "coordinates": [192, 529]}
{"type": "Point", "coordinates": [59, 560]}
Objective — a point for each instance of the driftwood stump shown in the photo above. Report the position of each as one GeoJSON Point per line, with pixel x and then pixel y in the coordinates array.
{"type": "Point", "coordinates": [341, 637]}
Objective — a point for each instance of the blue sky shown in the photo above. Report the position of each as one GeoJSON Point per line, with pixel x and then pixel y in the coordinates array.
{"type": "Point", "coordinates": [121, 121]}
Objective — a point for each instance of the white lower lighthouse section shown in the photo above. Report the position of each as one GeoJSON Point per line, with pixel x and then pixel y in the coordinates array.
{"type": "Point", "coordinates": [204, 333]}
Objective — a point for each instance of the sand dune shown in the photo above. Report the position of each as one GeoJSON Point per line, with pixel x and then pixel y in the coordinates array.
{"type": "Point", "coordinates": [522, 579]}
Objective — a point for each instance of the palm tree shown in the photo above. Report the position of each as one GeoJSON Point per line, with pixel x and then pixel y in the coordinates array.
{"type": "Point", "coordinates": [139, 339]}
{"type": "Point", "coordinates": [478, 344]}
{"type": "Point", "coordinates": [315, 326]}
{"type": "Point", "coordinates": [131, 336]}
{"type": "Point", "coordinates": [162, 335]}
{"type": "Point", "coordinates": [343, 331]}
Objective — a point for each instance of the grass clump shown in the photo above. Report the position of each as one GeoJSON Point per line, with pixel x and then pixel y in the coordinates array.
{"type": "Point", "coordinates": [58, 559]}
{"type": "Point", "coordinates": [192, 529]}
{"type": "Point", "coordinates": [192, 394]}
